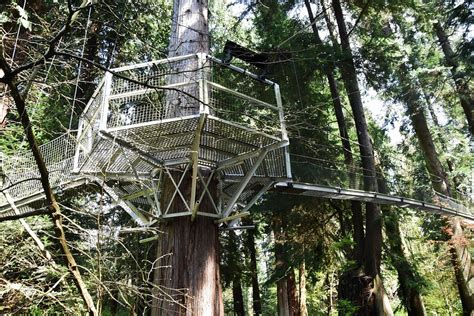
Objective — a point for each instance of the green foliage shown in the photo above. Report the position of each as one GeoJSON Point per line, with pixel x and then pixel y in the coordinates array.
{"type": "Point", "coordinates": [318, 232]}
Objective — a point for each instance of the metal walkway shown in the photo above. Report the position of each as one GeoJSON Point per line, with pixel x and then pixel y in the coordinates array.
{"type": "Point", "coordinates": [445, 206]}
{"type": "Point", "coordinates": [129, 138]}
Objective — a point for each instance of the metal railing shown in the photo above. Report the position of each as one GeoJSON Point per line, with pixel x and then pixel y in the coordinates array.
{"type": "Point", "coordinates": [184, 86]}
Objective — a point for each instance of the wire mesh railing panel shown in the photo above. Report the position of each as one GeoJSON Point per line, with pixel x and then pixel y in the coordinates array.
{"type": "Point", "coordinates": [243, 110]}
{"type": "Point", "coordinates": [243, 83]}
{"type": "Point", "coordinates": [322, 172]}
{"type": "Point", "coordinates": [154, 91]}
{"type": "Point", "coordinates": [236, 134]}
{"type": "Point", "coordinates": [274, 164]}
{"type": "Point", "coordinates": [134, 109]}
{"type": "Point", "coordinates": [91, 114]}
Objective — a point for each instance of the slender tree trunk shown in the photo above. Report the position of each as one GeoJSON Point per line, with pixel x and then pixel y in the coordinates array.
{"type": "Point", "coordinates": [411, 296]}
{"type": "Point", "coordinates": [53, 207]}
{"type": "Point", "coordinates": [235, 272]}
{"type": "Point", "coordinates": [460, 82]}
{"type": "Point", "coordinates": [250, 245]}
{"type": "Point", "coordinates": [283, 303]}
{"type": "Point", "coordinates": [238, 297]}
{"type": "Point", "coordinates": [303, 311]}
{"type": "Point", "coordinates": [459, 245]}
{"type": "Point", "coordinates": [287, 297]}
{"type": "Point", "coordinates": [373, 238]}
{"type": "Point", "coordinates": [357, 217]}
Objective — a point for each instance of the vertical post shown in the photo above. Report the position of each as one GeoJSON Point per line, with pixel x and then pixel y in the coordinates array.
{"type": "Point", "coordinates": [200, 78]}
{"type": "Point", "coordinates": [105, 101]}
{"type": "Point", "coordinates": [75, 164]}
{"type": "Point", "coordinates": [284, 133]}
{"type": "Point", "coordinates": [204, 82]}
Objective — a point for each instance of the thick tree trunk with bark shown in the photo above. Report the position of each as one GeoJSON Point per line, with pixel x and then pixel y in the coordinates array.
{"type": "Point", "coordinates": [460, 82]}
{"type": "Point", "coordinates": [187, 278]}
{"type": "Point", "coordinates": [459, 245]}
{"type": "Point", "coordinates": [373, 238]}
{"type": "Point", "coordinates": [294, 305]}
{"type": "Point", "coordinates": [189, 35]}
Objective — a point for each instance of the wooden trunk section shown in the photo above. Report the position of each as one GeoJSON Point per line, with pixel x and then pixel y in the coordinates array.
{"type": "Point", "coordinates": [187, 280]}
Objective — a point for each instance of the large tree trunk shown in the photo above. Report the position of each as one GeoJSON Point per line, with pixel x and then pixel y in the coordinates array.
{"type": "Point", "coordinates": [373, 238]}
{"type": "Point", "coordinates": [189, 35]}
{"type": "Point", "coordinates": [187, 280]}
{"type": "Point", "coordinates": [460, 82]}
{"type": "Point", "coordinates": [188, 248]}
{"type": "Point", "coordinates": [294, 305]}
{"type": "Point", "coordinates": [459, 245]}
{"type": "Point", "coordinates": [287, 296]}
{"type": "Point", "coordinates": [282, 298]}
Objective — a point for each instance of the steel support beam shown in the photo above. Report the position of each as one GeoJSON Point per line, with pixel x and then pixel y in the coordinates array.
{"type": "Point", "coordinates": [243, 183]}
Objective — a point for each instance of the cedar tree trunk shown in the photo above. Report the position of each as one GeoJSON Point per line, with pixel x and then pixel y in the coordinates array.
{"type": "Point", "coordinates": [460, 82]}
{"type": "Point", "coordinates": [459, 245]}
{"type": "Point", "coordinates": [188, 249]}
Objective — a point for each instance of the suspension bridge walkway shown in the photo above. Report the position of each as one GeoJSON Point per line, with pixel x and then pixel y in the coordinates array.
{"type": "Point", "coordinates": [197, 116]}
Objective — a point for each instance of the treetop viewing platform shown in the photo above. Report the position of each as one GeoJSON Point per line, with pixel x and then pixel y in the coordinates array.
{"type": "Point", "coordinates": [200, 117]}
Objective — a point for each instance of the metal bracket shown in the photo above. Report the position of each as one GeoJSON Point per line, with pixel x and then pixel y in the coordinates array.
{"type": "Point", "coordinates": [177, 191]}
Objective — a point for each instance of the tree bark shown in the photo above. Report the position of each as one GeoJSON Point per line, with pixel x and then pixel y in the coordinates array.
{"type": "Point", "coordinates": [357, 217]}
{"type": "Point", "coordinates": [303, 311]}
{"type": "Point", "coordinates": [188, 282]}
{"type": "Point", "coordinates": [189, 248]}
{"type": "Point", "coordinates": [282, 298]}
{"type": "Point", "coordinates": [293, 302]}
{"type": "Point", "coordinates": [460, 82]}
{"type": "Point", "coordinates": [53, 206]}
{"type": "Point", "coordinates": [250, 245]}
{"type": "Point", "coordinates": [459, 245]}
{"type": "Point", "coordinates": [373, 238]}
{"type": "Point", "coordinates": [189, 35]}
{"type": "Point", "coordinates": [238, 297]}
